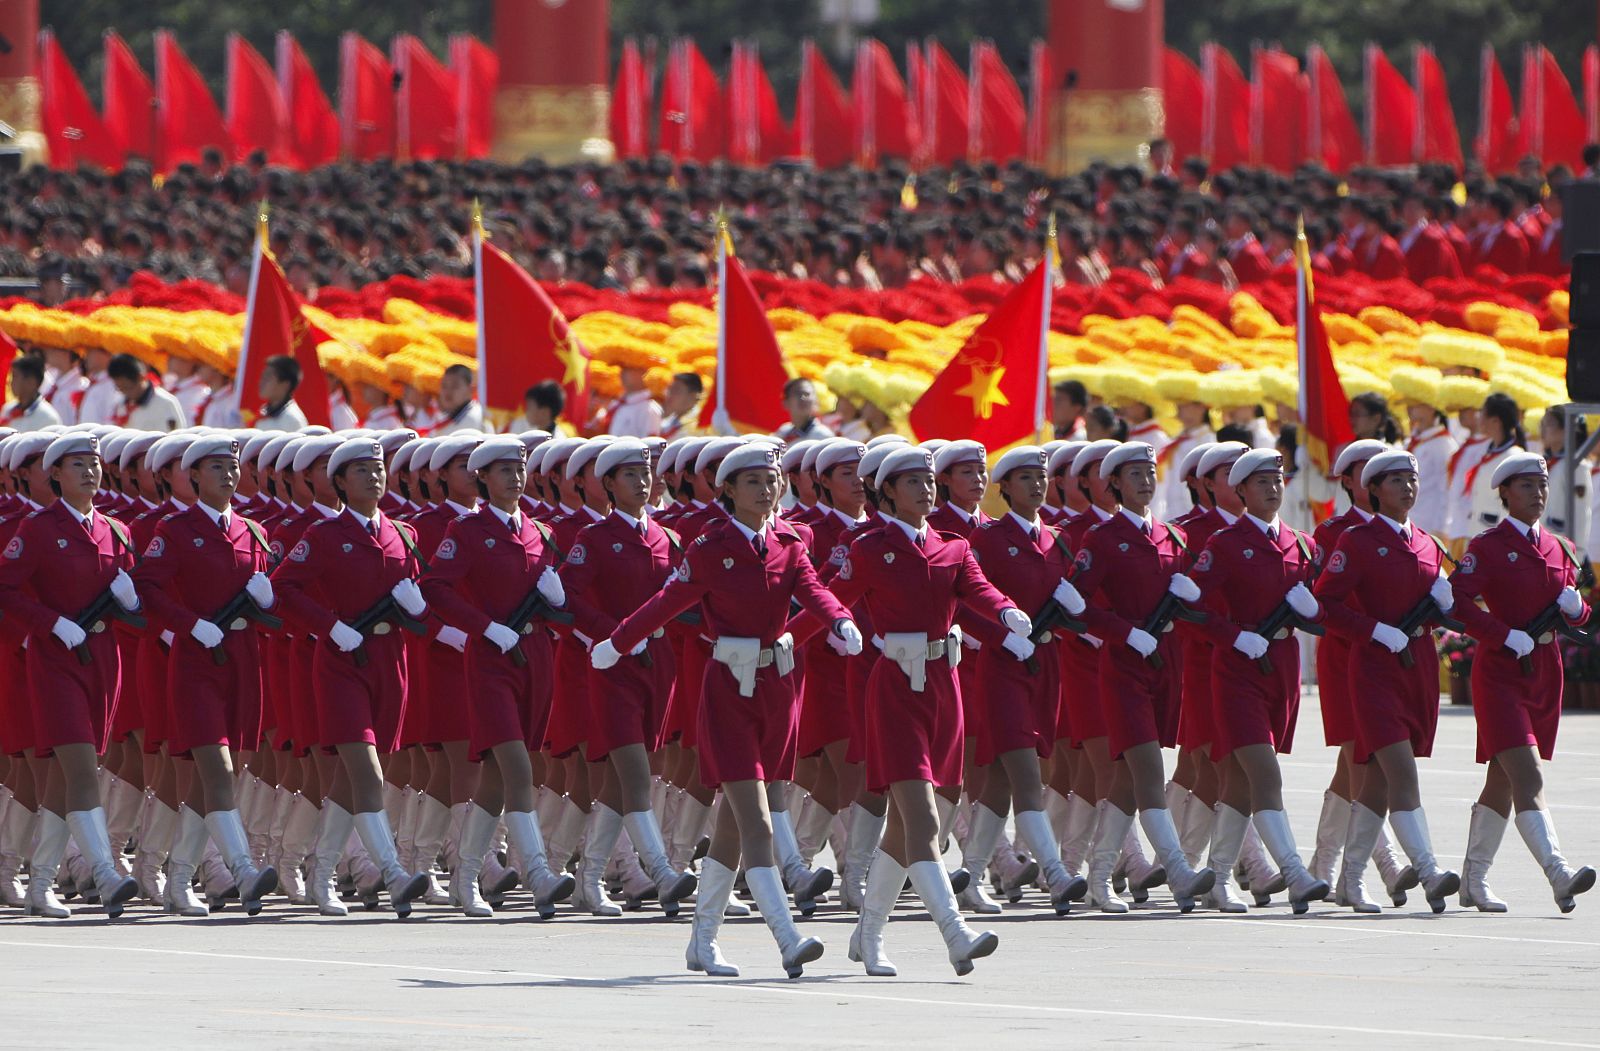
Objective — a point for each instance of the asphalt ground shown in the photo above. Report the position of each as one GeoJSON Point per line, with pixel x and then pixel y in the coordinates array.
{"type": "Point", "coordinates": [289, 978]}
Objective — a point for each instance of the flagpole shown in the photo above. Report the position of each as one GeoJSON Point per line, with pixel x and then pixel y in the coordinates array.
{"type": "Point", "coordinates": [477, 291]}
{"type": "Point", "coordinates": [721, 422]}
{"type": "Point", "coordinates": [240, 370]}
{"type": "Point", "coordinates": [1302, 288]}
{"type": "Point", "coordinates": [1049, 264]}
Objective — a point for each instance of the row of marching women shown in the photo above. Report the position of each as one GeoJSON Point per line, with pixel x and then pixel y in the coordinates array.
{"type": "Point", "coordinates": [473, 672]}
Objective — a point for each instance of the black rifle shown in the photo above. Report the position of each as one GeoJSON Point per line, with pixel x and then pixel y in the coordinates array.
{"type": "Point", "coordinates": [533, 607]}
{"type": "Point", "coordinates": [1286, 617]}
{"type": "Point", "coordinates": [104, 607]}
{"type": "Point", "coordinates": [1415, 623]}
{"type": "Point", "coordinates": [241, 605]}
{"type": "Point", "coordinates": [1169, 609]}
{"type": "Point", "coordinates": [1052, 616]}
{"type": "Point", "coordinates": [1552, 619]}
{"type": "Point", "coordinates": [385, 609]}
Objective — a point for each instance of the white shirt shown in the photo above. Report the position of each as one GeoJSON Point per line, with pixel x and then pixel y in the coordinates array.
{"type": "Point", "coordinates": [85, 520]}
{"type": "Point", "coordinates": [1529, 531]}
{"type": "Point", "coordinates": [513, 520]}
{"type": "Point", "coordinates": [215, 515]}
{"type": "Point", "coordinates": [61, 392]}
{"type": "Point", "coordinates": [1144, 522]}
{"type": "Point", "coordinates": [220, 411]}
{"type": "Point", "coordinates": [961, 512]}
{"type": "Point", "coordinates": [370, 525]}
{"type": "Point", "coordinates": [1031, 528]}
{"type": "Point", "coordinates": [846, 519]}
{"type": "Point", "coordinates": [1486, 508]}
{"type": "Point", "coordinates": [191, 393]}
{"type": "Point", "coordinates": [1227, 516]}
{"type": "Point", "coordinates": [328, 512]}
{"type": "Point", "coordinates": [35, 417]}
{"type": "Point", "coordinates": [288, 418]}
{"type": "Point", "coordinates": [637, 416]}
{"type": "Point", "coordinates": [917, 535]}
{"type": "Point", "coordinates": [1266, 527]}
{"type": "Point", "coordinates": [1433, 449]}
{"type": "Point", "coordinates": [157, 410]}
{"type": "Point", "coordinates": [749, 534]}
{"type": "Point", "coordinates": [469, 418]}
{"type": "Point", "coordinates": [639, 525]}
{"type": "Point", "coordinates": [462, 509]}
{"type": "Point", "coordinates": [1172, 496]}
{"type": "Point", "coordinates": [1399, 527]}
{"type": "Point", "coordinates": [100, 402]}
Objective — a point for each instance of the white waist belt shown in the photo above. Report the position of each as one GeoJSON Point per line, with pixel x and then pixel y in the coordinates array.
{"type": "Point", "coordinates": [744, 657]}
{"type": "Point", "coordinates": [912, 651]}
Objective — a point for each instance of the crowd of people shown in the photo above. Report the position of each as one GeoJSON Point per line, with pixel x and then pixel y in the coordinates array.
{"type": "Point", "coordinates": [649, 224]}
{"type": "Point", "coordinates": [470, 671]}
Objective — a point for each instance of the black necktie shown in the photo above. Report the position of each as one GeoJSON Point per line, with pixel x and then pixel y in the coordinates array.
{"type": "Point", "coordinates": [759, 544]}
{"type": "Point", "coordinates": [1272, 533]}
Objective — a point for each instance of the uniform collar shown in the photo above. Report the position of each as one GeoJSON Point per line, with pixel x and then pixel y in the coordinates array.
{"type": "Point", "coordinates": [846, 519]}
{"type": "Point", "coordinates": [86, 521]}
{"type": "Point", "coordinates": [916, 536]}
{"type": "Point", "coordinates": [1531, 532]}
{"type": "Point", "coordinates": [1228, 517]}
{"type": "Point", "coordinates": [368, 525]}
{"type": "Point", "coordinates": [960, 512]}
{"type": "Point", "coordinates": [462, 509]}
{"type": "Point", "coordinates": [212, 513]}
{"type": "Point", "coordinates": [1266, 527]}
{"type": "Point", "coordinates": [1031, 528]}
{"type": "Point", "coordinates": [638, 525]}
{"type": "Point", "coordinates": [749, 534]}
{"type": "Point", "coordinates": [1398, 527]}
{"type": "Point", "coordinates": [327, 512]}
{"type": "Point", "coordinates": [1145, 524]}
{"type": "Point", "coordinates": [506, 518]}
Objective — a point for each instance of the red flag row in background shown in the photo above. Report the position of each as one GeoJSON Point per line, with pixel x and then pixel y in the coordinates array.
{"type": "Point", "coordinates": [406, 103]}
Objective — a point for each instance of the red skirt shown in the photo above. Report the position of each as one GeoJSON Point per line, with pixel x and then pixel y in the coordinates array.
{"type": "Point", "coordinates": [1195, 727]}
{"type": "Point", "coordinates": [1392, 703]}
{"type": "Point", "coordinates": [858, 677]}
{"type": "Point", "coordinates": [1249, 707]}
{"type": "Point", "coordinates": [1333, 690]}
{"type": "Point", "coordinates": [1139, 700]}
{"type": "Point", "coordinates": [301, 662]}
{"type": "Point", "coordinates": [150, 675]}
{"type": "Point", "coordinates": [214, 703]}
{"type": "Point", "coordinates": [16, 704]}
{"type": "Point", "coordinates": [71, 702]}
{"type": "Point", "coordinates": [1018, 708]}
{"type": "Point", "coordinates": [129, 715]}
{"type": "Point", "coordinates": [1513, 711]}
{"type": "Point", "coordinates": [751, 738]}
{"type": "Point", "coordinates": [913, 736]}
{"type": "Point", "coordinates": [825, 712]}
{"type": "Point", "coordinates": [569, 709]}
{"type": "Point", "coordinates": [361, 704]}
{"type": "Point", "coordinates": [1080, 692]}
{"type": "Point", "coordinates": [505, 702]}
{"type": "Point", "coordinates": [628, 702]}
{"type": "Point", "coordinates": [445, 716]}
{"type": "Point", "coordinates": [684, 715]}
{"type": "Point", "coordinates": [415, 730]}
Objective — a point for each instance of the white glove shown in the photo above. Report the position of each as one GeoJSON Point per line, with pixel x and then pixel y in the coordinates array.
{"type": "Point", "coordinates": [502, 636]}
{"type": "Point", "coordinates": [1019, 646]}
{"type": "Point", "coordinates": [1251, 645]}
{"type": "Point", "coordinates": [1570, 601]}
{"type": "Point", "coordinates": [1519, 642]}
{"type": "Point", "coordinates": [1068, 598]}
{"type": "Point", "coordinates": [344, 636]}
{"type": "Point", "coordinates": [1142, 641]}
{"type": "Point", "coordinates": [259, 588]}
{"type": "Point", "coordinates": [604, 655]}
{"type": "Point", "coordinates": [69, 633]}
{"type": "Point", "coordinates": [639, 647]}
{"type": "Point", "coordinates": [409, 596]}
{"type": "Point", "coordinates": [206, 633]}
{"type": "Point", "coordinates": [455, 638]}
{"type": "Point", "coordinates": [971, 642]}
{"type": "Point", "coordinates": [1186, 589]}
{"type": "Point", "coordinates": [1016, 622]}
{"type": "Point", "coordinates": [1302, 601]}
{"type": "Point", "coordinates": [1442, 593]}
{"type": "Point", "coordinates": [123, 591]}
{"type": "Point", "coordinates": [167, 639]}
{"type": "Point", "coordinates": [850, 636]}
{"type": "Point", "coordinates": [550, 587]}
{"type": "Point", "coordinates": [1092, 640]}
{"type": "Point", "coordinates": [1390, 637]}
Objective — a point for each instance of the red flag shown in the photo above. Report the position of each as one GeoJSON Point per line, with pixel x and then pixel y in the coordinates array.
{"type": "Point", "coordinates": [8, 353]}
{"type": "Point", "coordinates": [1437, 138]}
{"type": "Point", "coordinates": [477, 71]}
{"type": "Point", "coordinates": [691, 105]}
{"type": "Point", "coordinates": [523, 338]}
{"type": "Point", "coordinates": [1591, 93]}
{"type": "Point", "coordinates": [1391, 111]}
{"type": "Point", "coordinates": [366, 100]}
{"type": "Point", "coordinates": [824, 119]}
{"type": "Point", "coordinates": [1225, 130]}
{"type": "Point", "coordinates": [128, 100]}
{"type": "Point", "coordinates": [1552, 126]}
{"type": "Point", "coordinates": [1324, 409]}
{"type": "Point", "coordinates": [274, 324]}
{"type": "Point", "coordinates": [916, 77]}
{"type": "Point", "coordinates": [1499, 132]}
{"type": "Point", "coordinates": [1040, 85]}
{"type": "Point", "coordinates": [630, 104]}
{"type": "Point", "coordinates": [72, 129]}
{"type": "Point", "coordinates": [1278, 97]}
{"type": "Point", "coordinates": [993, 389]}
{"type": "Point", "coordinates": [883, 124]}
{"type": "Point", "coordinates": [1183, 97]}
{"type": "Point", "coordinates": [425, 102]}
{"type": "Point", "coordinates": [757, 133]}
{"type": "Point", "coordinates": [944, 109]}
{"type": "Point", "coordinates": [997, 120]}
{"type": "Point", "coordinates": [188, 121]}
{"type": "Point", "coordinates": [257, 117]}
{"type": "Point", "coordinates": [1333, 137]}
{"type": "Point", "coordinates": [315, 126]}
{"type": "Point", "coordinates": [748, 393]}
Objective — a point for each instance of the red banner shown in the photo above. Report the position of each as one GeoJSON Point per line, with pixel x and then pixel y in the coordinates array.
{"type": "Point", "coordinates": [523, 339]}
{"type": "Point", "coordinates": [257, 118]}
{"type": "Point", "coordinates": [366, 100]}
{"type": "Point", "coordinates": [314, 123]}
{"type": "Point", "coordinates": [1225, 123]}
{"type": "Point", "coordinates": [1437, 138]}
{"type": "Point", "coordinates": [72, 129]}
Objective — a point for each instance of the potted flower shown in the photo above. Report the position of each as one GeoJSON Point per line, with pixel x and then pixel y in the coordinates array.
{"type": "Point", "coordinates": [1456, 651]}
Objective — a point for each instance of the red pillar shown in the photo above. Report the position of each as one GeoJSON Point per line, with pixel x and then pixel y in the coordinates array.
{"type": "Point", "coordinates": [554, 96]}
{"type": "Point", "coordinates": [1114, 106]}
{"type": "Point", "coordinates": [19, 80]}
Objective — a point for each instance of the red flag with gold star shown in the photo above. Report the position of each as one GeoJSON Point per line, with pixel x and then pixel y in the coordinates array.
{"type": "Point", "coordinates": [274, 326]}
{"type": "Point", "coordinates": [523, 338]}
{"type": "Point", "coordinates": [993, 389]}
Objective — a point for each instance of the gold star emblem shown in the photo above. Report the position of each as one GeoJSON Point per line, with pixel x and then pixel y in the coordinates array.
{"type": "Point", "coordinates": [984, 389]}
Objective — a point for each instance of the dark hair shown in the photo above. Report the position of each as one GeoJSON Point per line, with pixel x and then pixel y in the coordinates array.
{"type": "Point", "coordinates": [1232, 432]}
{"type": "Point", "coordinates": [690, 380]}
{"type": "Point", "coordinates": [30, 367]}
{"type": "Point", "coordinates": [460, 372]}
{"type": "Point", "coordinates": [1582, 427]}
{"type": "Point", "coordinates": [793, 385]}
{"type": "Point", "coordinates": [547, 395]}
{"type": "Point", "coordinates": [1073, 391]}
{"type": "Point", "coordinates": [1504, 408]}
{"type": "Point", "coordinates": [284, 369]}
{"type": "Point", "coordinates": [126, 367]}
{"type": "Point", "coordinates": [1376, 404]}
